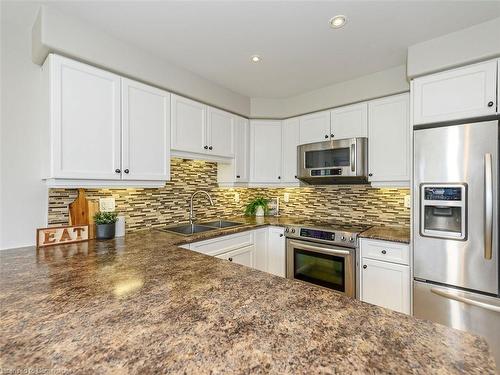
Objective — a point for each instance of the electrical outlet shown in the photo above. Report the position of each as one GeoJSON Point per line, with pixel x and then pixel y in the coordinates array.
{"type": "Point", "coordinates": [107, 204]}
{"type": "Point", "coordinates": [286, 197]}
{"type": "Point", "coordinates": [407, 201]}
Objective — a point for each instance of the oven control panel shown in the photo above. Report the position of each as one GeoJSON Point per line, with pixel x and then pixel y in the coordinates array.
{"type": "Point", "coordinates": [347, 239]}
{"type": "Point", "coordinates": [317, 234]}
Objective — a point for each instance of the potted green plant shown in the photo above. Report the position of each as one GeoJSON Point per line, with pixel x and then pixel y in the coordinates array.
{"type": "Point", "coordinates": [105, 225]}
{"type": "Point", "coordinates": [257, 207]}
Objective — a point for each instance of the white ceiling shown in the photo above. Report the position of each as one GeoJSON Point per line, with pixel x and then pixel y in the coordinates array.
{"type": "Point", "coordinates": [215, 39]}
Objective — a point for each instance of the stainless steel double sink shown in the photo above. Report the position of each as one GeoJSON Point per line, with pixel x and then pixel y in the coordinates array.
{"type": "Point", "coordinates": [189, 229]}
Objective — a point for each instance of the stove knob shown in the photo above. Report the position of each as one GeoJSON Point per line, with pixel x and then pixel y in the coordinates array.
{"type": "Point", "coordinates": [293, 230]}
{"type": "Point", "coordinates": [351, 239]}
{"type": "Point", "coordinates": [342, 238]}
{"type": "Point", "coordinates": [287, 230]}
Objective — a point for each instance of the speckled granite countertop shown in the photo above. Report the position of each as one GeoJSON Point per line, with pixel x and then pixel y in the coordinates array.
{"type": "Point", "coordinates": [389, 233]}
{"type": "Point", "coordinates": [140, 304]}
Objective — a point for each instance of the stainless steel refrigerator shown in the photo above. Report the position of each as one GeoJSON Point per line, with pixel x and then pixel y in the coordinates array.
{"type": "Point", "coordinates": [456, 248]}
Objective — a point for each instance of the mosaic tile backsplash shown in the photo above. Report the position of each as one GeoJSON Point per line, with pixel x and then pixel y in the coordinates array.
{"type": "Point", "coordinates": [147, 208]}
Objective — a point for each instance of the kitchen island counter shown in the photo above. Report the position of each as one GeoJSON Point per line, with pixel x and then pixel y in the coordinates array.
{"type": "Point", "coordinates": [141, 304]}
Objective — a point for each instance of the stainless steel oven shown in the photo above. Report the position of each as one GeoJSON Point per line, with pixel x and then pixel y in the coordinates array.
{"type": "Point", "coordinates": [333, 162]}
{"type": "Point", "coordinates": [314, 256]}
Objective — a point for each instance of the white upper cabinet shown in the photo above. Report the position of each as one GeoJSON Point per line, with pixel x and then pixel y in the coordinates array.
{"type": "Point", "coordinates": [241, 149]}
{"type": "Point", "coordinates": [498, 86]}
{"type": "Point", "coordinates": [84, 121]}
{"type": "Point", "coordinates": [220, 133]}
{"type": "Point", "coordinates": [145, 132]}
{"type": "Point", "coordinates": [349, 121]}
{"type": "Point", "coordinates": [201, 131]}
{"type": "Point", "coordinates": [456, 94]}
{"type": "Point", "coordinates": [315, 127]}
{"type": "Point", "coordinates": [103, 130]}
{"type": "Point", "coordinates": [265, 151]}
{"type": "Point", "coordinates": [238, 170]}
{"type": "Point", "coordinates": [189, 125]}
{"type": "Point", "coordinates": [290, 141]}
{"type": "Point", "coordinates": [389, 140]}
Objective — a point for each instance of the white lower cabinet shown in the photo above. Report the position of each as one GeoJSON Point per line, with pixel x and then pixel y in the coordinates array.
{"type": "Point", "coordinates": [276, 253]}
{"type": "Point", "coordinates": [244, 256]}
{"type": "Point", "coordinates": [263, 249]}
{"type": "Point", "coordinates": [385, 283]}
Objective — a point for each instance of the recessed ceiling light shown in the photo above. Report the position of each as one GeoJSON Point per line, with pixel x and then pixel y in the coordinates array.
{"type": "Point", "coordinates": [337, 22]}
{"type": "Point", "coordinates": [255, 58]}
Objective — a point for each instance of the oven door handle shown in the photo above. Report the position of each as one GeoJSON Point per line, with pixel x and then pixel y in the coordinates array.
{"type": "Point", "coordinates": [318, 249]}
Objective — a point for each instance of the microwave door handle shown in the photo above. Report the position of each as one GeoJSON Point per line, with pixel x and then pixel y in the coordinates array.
{"type": "Point", "coordinates": [488, 207]}
{"type": "Point", "coordinates": [353, 157]}
{"type": "Point", "coordinates": [468, 301]}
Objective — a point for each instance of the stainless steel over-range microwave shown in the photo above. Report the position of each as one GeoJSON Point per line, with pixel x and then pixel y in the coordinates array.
{"type": "Point", "coordinates": [342, 161]}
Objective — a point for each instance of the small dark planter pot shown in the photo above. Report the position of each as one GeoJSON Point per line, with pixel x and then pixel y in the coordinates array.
{"type": "Point", "coordinates": [105, 231]}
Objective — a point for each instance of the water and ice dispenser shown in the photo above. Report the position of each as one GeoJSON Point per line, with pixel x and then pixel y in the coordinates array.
{"type": "Point", "coordinates": [443, 211]}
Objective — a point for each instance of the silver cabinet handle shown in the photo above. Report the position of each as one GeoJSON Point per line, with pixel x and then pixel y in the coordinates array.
{"type": "Point", "coordinates": [488, 206]}
{"type": "Point", "coordinates": [353, 157]}
{"type": "Point", "coordinates": [468, 301]}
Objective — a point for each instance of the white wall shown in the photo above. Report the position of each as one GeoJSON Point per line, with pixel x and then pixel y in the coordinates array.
{"type": "Point", "coordinates": [23, 196]}
{"type": "Point", "coordinates": [476, 43]}
{"type": "Point", "coordinates": [57, 32]}
{"type": "Point", "coordinates": [386, 82]}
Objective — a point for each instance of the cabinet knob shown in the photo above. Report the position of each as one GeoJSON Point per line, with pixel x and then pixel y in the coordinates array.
{"type": "Point", "coordinates": [490, 104]}
{"type": "Point", "coordinates": [238, 176]}
{"type": "Point", "coordinates": [384, 252]}
{"type": "Point", "coordinates": [281, 234]}
{"type": "Point", "coordinates": [332, 135]}
{"type": "Point", "coordinates": [295, 176]}
{"type": "Point", "coordinates": [206, 147]}
{"type": "Point", "coordinates": [365, 266]}
{"type": "Point", "coordinates": [117, 170]}
{"type": "Point", "coordinates": [210, 148]}
{"type": "Point", "coordinates": [326, 136]}
{"type": "Point", "coordinates": [279, 177]}
{"type": "Point", "coordinates": [126, 171]}
{"type": "Point", "coordinates": [370, 174]}
{"type": "Point", "coordinates": [230, 259]}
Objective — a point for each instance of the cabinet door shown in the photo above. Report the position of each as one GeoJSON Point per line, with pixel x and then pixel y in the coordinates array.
{"type": "Point", "coordinates": [145, 132]}
{"type": "Point", "coordinates": [389, 139]}
{"type": "Point", "coordinates": [385, 284]}
{"type": "Point", "coordinates": [188, 125]}
{"type": "Point", "coordinates": [244, 256]}
{"type": "Point", "coordinates": [265, 151]}
{"type": "Point", "coordinates": [85, 121]}
{"type": "Point", "coordinates": [290, 141]}
{"type": "Point", "coordinates": [276, 253]}
{"type": "Point", "coordinates": [241, 150]}
{"type": "Point", "coordinates": [498, 86]}
{"type": "Point", "coordinates": [220, 131]}
{"type": "Point", "coordinates": [455, 94]}
{"type": "Point", "coordinates": [315, 127]}
{"type": "Point", "coordinates": [349, 121]}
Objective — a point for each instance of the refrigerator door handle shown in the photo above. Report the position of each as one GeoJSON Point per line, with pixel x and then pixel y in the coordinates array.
{"type": "Point", "coordinates": [488, 206]}
{"type": "Point", "coordinates": [468, 301]}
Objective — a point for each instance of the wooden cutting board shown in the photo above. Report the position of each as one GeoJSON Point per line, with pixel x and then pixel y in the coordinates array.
{"type": "Point", "coordinates": [82, 211]}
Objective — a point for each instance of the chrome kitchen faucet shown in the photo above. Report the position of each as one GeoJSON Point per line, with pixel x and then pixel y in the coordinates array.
{"type": "Point", "coordinates": [191, 216]}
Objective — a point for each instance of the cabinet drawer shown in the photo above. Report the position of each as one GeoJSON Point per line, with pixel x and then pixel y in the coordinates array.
{"type": "Point", "coordinates": [384, 250]}
{"type": "Point", "coordinates": [219, 245]}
